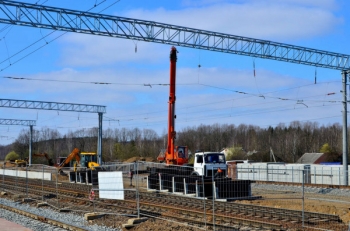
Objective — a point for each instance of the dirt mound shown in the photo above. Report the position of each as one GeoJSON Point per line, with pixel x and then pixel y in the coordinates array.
{"type": "Point", "coordinates": [133, 159]}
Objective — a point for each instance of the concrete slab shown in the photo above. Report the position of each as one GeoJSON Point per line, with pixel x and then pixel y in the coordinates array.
{"type": "Point", "coordinates": [10, 226]}
{"type": "Point", "coordinates": [134, 221]}
{"type": "Point", "coordinates": [127, 226]}
{"type": "Point", "coordinates": [42, 204]}
{"type": "Point", "coordinates": [92, 216]}
{"type": "Point", "coordinates": [64, 210]}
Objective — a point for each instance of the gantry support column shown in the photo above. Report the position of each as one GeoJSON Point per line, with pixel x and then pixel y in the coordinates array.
{"type": "Point", "coordinates": [30, 144]}
{"type": "Point", "coordinates": [99, 139]}
{"type": "Point", "coordinates": [345, 130]}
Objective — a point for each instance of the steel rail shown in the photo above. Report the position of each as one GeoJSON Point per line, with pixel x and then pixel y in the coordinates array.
{"type": "Point", "coordinates": [160, 210]}
{"type": "Point", "coordinates": [47, 220]}
{"type": "Point", "coordinates": [239, 213]}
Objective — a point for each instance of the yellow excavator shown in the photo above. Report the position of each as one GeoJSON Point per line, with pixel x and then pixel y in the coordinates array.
{"type": "Point", "coordinates": [24, 162]}
{"type": "Point", "coordinates": [82, 159]}
{"type": "Point", "coordinates": [21, 163]}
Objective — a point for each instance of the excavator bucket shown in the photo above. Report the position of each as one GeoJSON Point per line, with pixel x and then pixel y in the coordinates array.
{"type": "Point", "coordinates": [62, 173]}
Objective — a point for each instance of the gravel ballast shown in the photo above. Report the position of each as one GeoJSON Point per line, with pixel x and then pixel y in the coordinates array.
{"type": "Point", "coordinates": [78, 220]}
{"type": "Point", "coordinates": [315, 189]}
{"type": "Point", "coordinates": [35, 225]}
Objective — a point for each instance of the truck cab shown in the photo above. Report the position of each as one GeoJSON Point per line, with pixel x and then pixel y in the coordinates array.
{"type": "Point", "coordinates": [209, 163]}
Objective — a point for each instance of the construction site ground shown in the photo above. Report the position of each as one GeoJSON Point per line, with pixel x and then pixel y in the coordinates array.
{"type": "Point", "coordinates": [327, 205]}
{"type": "Point", "coordinates": [320, 203]}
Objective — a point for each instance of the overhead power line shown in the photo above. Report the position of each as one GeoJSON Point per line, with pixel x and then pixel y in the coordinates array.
{"type": "Point", "coordinates": [29, 11]}
{"type": "Point", "coordinates": [86, 82]}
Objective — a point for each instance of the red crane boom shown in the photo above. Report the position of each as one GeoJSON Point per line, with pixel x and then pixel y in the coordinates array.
{"type": "Point", "coordinates": [172, 98]}
{"type": "Point", "coordinates": [173, 155]}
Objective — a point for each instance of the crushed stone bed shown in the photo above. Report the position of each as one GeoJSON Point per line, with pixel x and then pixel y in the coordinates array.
{"type": "Point", "coordinates": [35, 225]}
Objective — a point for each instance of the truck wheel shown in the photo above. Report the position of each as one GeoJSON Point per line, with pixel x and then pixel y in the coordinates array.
{"type": "Point", "coordinates": [194, 173]}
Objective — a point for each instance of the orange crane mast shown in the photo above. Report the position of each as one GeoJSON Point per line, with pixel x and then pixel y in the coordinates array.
{"type": "Point", "coordinates": [173, 155]}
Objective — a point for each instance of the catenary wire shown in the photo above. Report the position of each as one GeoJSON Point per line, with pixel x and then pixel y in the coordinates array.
{"type": "Point", "coordinates": [47, 42]}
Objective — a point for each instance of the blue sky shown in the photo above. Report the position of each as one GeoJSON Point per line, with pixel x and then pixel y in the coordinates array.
{"type": "Point", "coordinates": [205, 95]}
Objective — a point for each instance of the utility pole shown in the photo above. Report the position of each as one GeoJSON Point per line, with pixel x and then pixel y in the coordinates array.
{"type": "Point", "coordinates": [30, 144]}
{"type": "Point", "coordinates": [345, 130]}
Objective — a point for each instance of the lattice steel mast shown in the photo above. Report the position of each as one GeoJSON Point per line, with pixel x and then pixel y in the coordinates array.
{"type": "Point", "coordinates": [29, 123]}
{"type": "Point", "coordinates": [42, 105]}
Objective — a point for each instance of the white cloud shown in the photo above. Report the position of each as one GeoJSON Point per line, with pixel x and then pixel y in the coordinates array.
{"type": "Point", "coordinates": [267, 19]}
{"type": "Point", "coordinates": [208, 97]}
{"type": "Point", "coordinates": [326, 4]}
{"type": "Point", "coordinates": [211, 100]}
{"type": "Point", "coordinates": [87, 50]}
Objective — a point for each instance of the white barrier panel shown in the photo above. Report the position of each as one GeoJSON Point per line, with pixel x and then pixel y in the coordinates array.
{"type": "Point", "coordinates": [31, 174]}
{"type": "Point", "coordinates": [111, 185]}
{"type": "Point", "coordinates": [327, 174]}
{"type": "Point", "coordinates": [252, 171]}
{"type": "Point", "coordinates": [296, 173]}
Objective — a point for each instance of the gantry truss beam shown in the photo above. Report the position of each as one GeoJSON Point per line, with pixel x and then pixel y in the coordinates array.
{"type": "Point", "coordinates": [27, 104]}
{"type": "Point", "coordinates": [17, 122]}
{"type": "Point", "coordinates": [25, 14]}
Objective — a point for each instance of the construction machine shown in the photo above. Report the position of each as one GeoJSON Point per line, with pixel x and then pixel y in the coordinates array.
{"type": "Point", "coordinates": [178, 155]}
{"type": "Point", "coordinates": [175, 155]}
{"type": "Point", "coordinates": [88, 160]}
{"type": "Point", "coordinates": [44, 154]}
{"type": "Point", "coordinates": [21, 163]}
{"type": "Point", "coordinates": [209, 164]}
{"type": "Point", "coordinates": [16, 163]}
{"type": "Point", "coordinates": [85, 160]}
{"type": "Point", "coordinates": [209, 168]}
{"type": "Point", "coordinates": [24, 162]}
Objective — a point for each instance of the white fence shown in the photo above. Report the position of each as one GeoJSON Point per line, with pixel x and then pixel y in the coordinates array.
{"type": "Point", "coordinates": [314, 174]}
{"type": "Point", "coordinates": [26, 174]}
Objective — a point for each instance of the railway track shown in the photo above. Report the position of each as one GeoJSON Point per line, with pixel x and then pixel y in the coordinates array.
{"type": "Point", "coordinates": [193, 211]}
{"type": "Point", "coordinates": [152, 208]}
{"type": "Point", "coordinates": [50, 221]}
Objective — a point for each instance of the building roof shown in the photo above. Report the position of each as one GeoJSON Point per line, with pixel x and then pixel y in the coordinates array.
{"type": "Point", "coordinates": [311, 158]}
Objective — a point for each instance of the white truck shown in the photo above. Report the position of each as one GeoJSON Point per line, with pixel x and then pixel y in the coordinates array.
{"type": "Point", "coordinates": [209, 164]}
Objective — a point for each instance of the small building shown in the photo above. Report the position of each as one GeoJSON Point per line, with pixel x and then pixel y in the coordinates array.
{"type": "Point", "coordinates": [312, 158]}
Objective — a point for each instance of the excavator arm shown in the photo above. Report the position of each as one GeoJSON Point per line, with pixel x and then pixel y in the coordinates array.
{"type": "Point", "coordinates": [74, 155]}
{"type": "Point", "coordinates": [44, 154]}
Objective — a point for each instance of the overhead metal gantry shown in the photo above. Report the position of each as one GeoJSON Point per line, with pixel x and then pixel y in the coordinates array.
{"type": "Point", "coordinates": [29, 123]}
{"type": "Point", "coordinates": [26, 14]}
{"type": "Point", "coordinates": [54, 106]}
{"type": "Point", "coordinates": [17, 122]}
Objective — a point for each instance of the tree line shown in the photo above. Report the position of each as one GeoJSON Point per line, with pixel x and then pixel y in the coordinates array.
{"type": "Point", "coordinates": [288, 142]}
